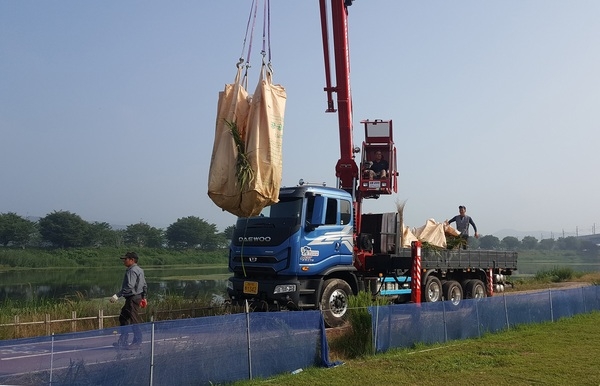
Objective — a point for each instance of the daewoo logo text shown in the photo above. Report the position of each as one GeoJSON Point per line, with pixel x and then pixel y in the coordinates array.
{"type": "Point", "coordinates": [259, 239]}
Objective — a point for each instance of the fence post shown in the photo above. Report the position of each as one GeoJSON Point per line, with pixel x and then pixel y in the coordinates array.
{"type": "Point", "coordinates": [248, 338]}
{"type": "Point", "coordinates": [478, 321]}
{"type": "Point", "coordinates": [152, 352]}
{"type": "Point", "coordinates": [444, 318]}
{"type": "Point", "coordinates": [100, 319]}
{"type": "Point", "coordinates": [551, 306]}
{"type": "Point", "coordinates": [51, 359]}
{"type": "Point", "coordinates": [16, 326]}
{"type": "Point", "coordinates": [506, 312]}
{"type": "Point", "coordinates": [73, 321]}
{"type": "Point", "coordinates": [47, 323]}
{"type": "Point", "coordinates": [375, 332]}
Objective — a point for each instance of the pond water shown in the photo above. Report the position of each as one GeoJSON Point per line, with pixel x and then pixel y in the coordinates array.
{"type": "Point", "coordinates": [36, 284]}
{"type": "Point", "coordinates": [203, 282]}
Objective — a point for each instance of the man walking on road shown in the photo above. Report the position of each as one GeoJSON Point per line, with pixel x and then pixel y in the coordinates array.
{"type": "Point", "coordinates": [134, 291]}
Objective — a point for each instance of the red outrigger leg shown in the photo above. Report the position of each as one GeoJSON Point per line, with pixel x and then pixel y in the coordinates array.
{"type": "Point", "coordinates": [415, 293]}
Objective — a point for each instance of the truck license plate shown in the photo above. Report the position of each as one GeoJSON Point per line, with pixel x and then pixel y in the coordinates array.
{"type": "Point", "coordinates": [251, 287]}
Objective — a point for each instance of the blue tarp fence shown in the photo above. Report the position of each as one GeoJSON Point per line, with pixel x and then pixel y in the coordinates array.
{"type": "Point", "coordinates": [402, 326]}
{"type": "Point", "coordinates": [201, 351]}
{"type": "Point", "coordinates": [229, 348]}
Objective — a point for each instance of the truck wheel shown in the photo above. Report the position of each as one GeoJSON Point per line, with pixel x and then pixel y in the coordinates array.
{"type": "Point", "coordinates": [334, 302]}
{"type": "Point", "coordinates": [452, 291]}
{"type": "Point", "coordinates": [475, 290]}
{"type": "Point", "coordinates": [432, 292]}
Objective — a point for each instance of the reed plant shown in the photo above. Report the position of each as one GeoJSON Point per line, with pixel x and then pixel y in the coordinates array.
{"type": "Point", "coordinates": [243, 169]}
{"type": "Point", "coordinates": [358, 342]}
{"type": "Point", "coordinates": [556, 274]}
{"type": "Point", "coordinates": [32, 314]}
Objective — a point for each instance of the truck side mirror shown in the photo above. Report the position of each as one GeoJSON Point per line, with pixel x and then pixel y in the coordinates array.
{"type": "Point", "coordinates": [309, 227]}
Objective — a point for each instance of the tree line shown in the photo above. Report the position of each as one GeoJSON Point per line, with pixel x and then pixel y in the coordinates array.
{"type": "Point", "coordinates": [511, 243]}
{"type": "Point", "coordinates": [63, 229]}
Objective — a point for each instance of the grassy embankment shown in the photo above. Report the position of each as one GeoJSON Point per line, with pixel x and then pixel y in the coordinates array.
{"type": "Point", "coordinates": [556, 353]}
{"type": "Point", "coordinates": [104, 257]}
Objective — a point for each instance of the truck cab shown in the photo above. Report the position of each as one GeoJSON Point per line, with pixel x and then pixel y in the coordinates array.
{"type": "Point", "coordinates": [282, 257]}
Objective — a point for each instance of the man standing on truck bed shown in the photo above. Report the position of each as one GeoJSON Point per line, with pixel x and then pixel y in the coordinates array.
{"type": "Point", "coordinates": [462, 224]}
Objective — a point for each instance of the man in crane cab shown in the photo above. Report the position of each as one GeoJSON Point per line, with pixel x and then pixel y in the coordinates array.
{"type": "Point", "coordinates": [377, 168]}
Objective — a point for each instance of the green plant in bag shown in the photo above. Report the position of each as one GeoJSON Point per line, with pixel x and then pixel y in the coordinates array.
{"type": "Point", "coordinates": [243, 169]}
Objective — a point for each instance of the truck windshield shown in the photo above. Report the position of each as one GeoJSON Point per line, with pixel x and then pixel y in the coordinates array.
{"type": "Point", "coordinates": [285, 208]}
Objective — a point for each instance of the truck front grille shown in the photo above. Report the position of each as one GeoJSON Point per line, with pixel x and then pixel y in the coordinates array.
{"type": "Point", "coordinates": [255, 259]}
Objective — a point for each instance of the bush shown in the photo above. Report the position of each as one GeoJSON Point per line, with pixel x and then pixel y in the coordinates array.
{"type": "Point", "coordinates": [555, 275]}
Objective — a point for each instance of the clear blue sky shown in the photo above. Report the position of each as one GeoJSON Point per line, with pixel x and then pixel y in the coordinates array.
{"type": "Point", "coordinates": [107, 109]}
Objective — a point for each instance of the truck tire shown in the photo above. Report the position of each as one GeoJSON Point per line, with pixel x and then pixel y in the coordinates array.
{"type": "Point", "coordinates": [334, 302]}
{"type": "Point", "coordinates": [432, 291]}
{"type": "Point", "coordinates": [453, 292]}
{"type": "Point", "coordinates": [475, 289]}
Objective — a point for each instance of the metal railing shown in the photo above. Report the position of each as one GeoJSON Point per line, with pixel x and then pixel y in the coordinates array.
{"type": "Point", "coordinates": [17, 324]}
{"type": "Point", "coordinates": [47, 326]}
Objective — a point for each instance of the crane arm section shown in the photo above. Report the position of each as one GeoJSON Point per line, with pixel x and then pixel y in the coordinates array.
{"type": "Point", "coordinates": [346, 169]}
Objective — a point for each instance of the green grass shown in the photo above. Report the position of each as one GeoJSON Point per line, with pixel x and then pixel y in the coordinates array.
{"type": "Point", "coordinates": [562, 352]}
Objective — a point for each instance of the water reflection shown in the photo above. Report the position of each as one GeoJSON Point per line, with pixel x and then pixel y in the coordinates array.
{"type": "Point", "coordinates": [38, 284]}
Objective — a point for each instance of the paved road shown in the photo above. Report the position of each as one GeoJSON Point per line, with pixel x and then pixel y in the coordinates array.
{"type": "Point", "coordinates": [29, 361]}
{"type": "Point", "coordinates": [28, 358]}
{"type": "Point", "coordinates": [25, 358]}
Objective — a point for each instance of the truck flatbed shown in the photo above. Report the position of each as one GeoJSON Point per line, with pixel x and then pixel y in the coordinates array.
{"type": "Point", "coordinates": [445, 259]}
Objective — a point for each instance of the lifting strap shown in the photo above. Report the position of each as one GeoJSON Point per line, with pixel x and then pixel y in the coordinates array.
{"type": "Point", "coordinates": [267, 31]}
{"type": "Point", "coordinates": [266, 37]}
{"type": "Point", "coordinates": [250, 33]}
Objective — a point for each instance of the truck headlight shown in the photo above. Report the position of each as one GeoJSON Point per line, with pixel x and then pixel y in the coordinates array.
{"type": "Point", "coordinates": [284, 288]}
{"type": "Point", "coordinates": [229, 285]}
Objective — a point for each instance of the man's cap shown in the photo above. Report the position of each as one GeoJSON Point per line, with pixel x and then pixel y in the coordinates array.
{"type": "Point", "coordinates": [130, 255]}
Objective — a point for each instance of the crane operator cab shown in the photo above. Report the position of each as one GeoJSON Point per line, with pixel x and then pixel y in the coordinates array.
{"type": "Point", "coordinates": [378, 173]}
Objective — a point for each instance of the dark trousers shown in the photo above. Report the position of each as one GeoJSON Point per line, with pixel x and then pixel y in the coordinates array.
{"type": "Point", "coordinates": [465, 242]}
{"type": "Point", "coordinates": [130, 316]}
